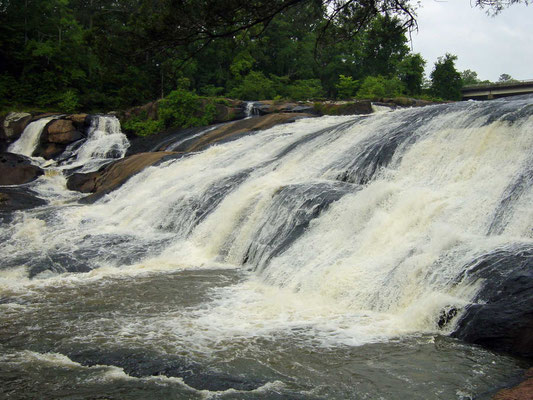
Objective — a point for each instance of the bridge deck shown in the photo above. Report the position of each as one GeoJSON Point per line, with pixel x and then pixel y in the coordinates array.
{"type": "Point", "coordinates": [495, 90]}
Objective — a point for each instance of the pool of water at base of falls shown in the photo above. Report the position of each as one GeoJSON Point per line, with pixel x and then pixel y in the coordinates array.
{"type": "Point", "coordinates": [174, 335]}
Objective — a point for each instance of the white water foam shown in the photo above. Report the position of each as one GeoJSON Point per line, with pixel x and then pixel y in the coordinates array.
{"type": "Point", "coordinates": [382, 261]}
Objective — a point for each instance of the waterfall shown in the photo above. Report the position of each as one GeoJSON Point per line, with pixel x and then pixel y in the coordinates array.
{"type": "Point", "coordinates": [362, 225]}
{"type": "Point", "coordinates": [105, 141]}
{"type": "Point", "coordinates": [249, 109]}
{"type": "Point", "coordinates": [28, 141]}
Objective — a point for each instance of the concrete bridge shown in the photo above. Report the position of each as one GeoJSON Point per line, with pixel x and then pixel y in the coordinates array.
{"type": "Point", "coordinates": [496, 90]}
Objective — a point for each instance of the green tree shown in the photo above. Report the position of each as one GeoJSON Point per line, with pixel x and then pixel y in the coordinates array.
{"type": "Point", "coordinates": [469, 77]}
{"type": "Point", "coordinates": [374, 87]}
{"type": "Point", "coordinates": [411, 73]}
{"type": "Point", "coordinates": [446, 81]}
{"type": "Point", "coordinates": [346, 87]}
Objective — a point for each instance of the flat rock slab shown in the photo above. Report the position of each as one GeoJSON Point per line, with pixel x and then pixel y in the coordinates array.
{"type": "Point", "coordinates": [113, 175]}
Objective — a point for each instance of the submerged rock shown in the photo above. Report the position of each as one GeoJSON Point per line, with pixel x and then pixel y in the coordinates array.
{"type": "Point", "coordinates": [16, 198]}
{"type": "Point", "coordinates": [501, 316]}
{"type": "Point", "coordinates": [523, 391]}
{"type": "Point", "coordinates": [141, 363]}
{"type": "Point", "coordinates": [16, 169]}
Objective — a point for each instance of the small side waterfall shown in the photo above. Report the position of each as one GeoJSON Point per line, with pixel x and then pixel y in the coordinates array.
{"type": "Point", "coordinates": [105, 141]}
{"type": "Point", "coordinates": [249, 109]}
{"type": "Point", "coordinates": [28, 141]}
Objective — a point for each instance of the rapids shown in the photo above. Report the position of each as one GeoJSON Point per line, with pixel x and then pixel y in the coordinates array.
{"type": "Point", "coordinates": [311, 260]}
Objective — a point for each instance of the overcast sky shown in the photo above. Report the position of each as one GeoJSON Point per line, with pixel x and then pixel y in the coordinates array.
{"type": "Point", "coordinates": [488, 45]}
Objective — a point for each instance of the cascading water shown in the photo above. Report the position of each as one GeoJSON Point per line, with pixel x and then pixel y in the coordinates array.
{"type": "Point", "coordinates": [105, 141]}
{"type": "Point", "coordinates": [311, 260]}
{"type": "Point", "coordinates": [28, 141]}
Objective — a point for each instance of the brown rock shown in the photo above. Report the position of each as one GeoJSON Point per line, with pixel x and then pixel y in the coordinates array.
{"type": "Point", "coordinates": [344, 108]}
{"type": "Point", "coordinates": [113, 175]}
{"type": "Point", "coordinates": [524, 391]}
{"type": "Point", "coordinates": [62, 131]}
{"type": "Point", "coordinates": [78, 119]}
{"type": "Point", "coordinates": [16, 169]}
{"type": "Point", "coordinates": [242, 126]}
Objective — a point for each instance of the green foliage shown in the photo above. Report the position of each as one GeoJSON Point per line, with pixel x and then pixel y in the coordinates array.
{"type": "Point", "coordinates": [184, 109]}
{"type": "Point", "coordinates": [469, 77]}
{"type": "Point", "coordinates": [69, 102]}
{"type": "Point", "coordinates": [98, 55]}
{"type": "Point", "coordinates": [411, 73]}
{"type": "Point", "coordinates": [374, 87]}
{"type": "Point", "coordinates": [346, 87]}
{"type": "Point", "coordinates": [211, 90]}
{"type": "Point", "coordinates": [305, 89]}
{"type": "Point", "coordinates": [446, 81]}
{"type": "Point", "coordinates": [255, 86]}
{"type": "Point", "coordinates": [141, 126]}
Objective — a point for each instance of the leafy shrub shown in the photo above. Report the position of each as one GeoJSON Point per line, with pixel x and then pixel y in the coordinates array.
{"type": "Point", "coordinates": [68, 101]}
{"type": "Point", "coordinates": [346, 87]}
{"type": "Point", "coordinates": [184, 109]}
{"type": "Point", "coordinates": [306, 89]}
{"type": "Point", "coordinates": [141, 126]}
{"type": "Point", "coordinates": [255, 86]}
{"type": "Point", "coordinates": [379, 86]}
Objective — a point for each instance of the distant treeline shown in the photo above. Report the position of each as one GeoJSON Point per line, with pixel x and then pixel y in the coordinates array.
{"type": "Point", "coordinates": [101, 55]}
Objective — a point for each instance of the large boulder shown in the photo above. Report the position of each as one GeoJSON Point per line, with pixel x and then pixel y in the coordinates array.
{"type": "Point", "coordinates": [61, 131]}
{"type": "Point", "coordinates": [112, 175]}
{"type": "Point", "coordinates": [14, 124]}
{"type": "Point", "coordinates": [16, 169]}
{"type": "Point", "coordinates": [501, 315]}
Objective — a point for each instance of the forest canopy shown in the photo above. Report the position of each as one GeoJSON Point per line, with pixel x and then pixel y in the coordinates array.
{"type": "Point", "coordinates": [98, 55]}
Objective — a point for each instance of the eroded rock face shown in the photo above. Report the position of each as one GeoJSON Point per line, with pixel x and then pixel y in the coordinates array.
{"type": "Point", "coordinates": [14, 124]}
{"type": "Point", "coordinates": [16, 169]}
{"type": "Point", "coordinates": [501, 316]}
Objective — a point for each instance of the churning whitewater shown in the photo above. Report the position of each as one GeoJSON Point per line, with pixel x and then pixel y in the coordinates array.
{"type": "Point", "coordinates": [326, 233]}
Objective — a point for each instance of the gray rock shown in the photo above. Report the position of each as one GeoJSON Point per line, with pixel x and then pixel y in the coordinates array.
{"type": "Point", "coordinates": [14, 124]}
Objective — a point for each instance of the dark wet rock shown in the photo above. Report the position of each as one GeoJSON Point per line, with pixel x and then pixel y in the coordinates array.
{"type": "Point", "coordinates": [303, 203]}
{"type": "Point", "coordinates": [142, 363]}
{"type": "Point", "coordinates": [523, 391]}
{"type": "Point", "coordinates": [113, 175]}
{"type": "Point", "coordinates": [51, 150]}
{"type": "Point", "coordinates": [17, 198]}
{"type": "Point", "coordinates": [16, 169]}
{"type": "Point", "coordinates": [501, 315]}
{"type": "Point", "coordinates": [161, 141]}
